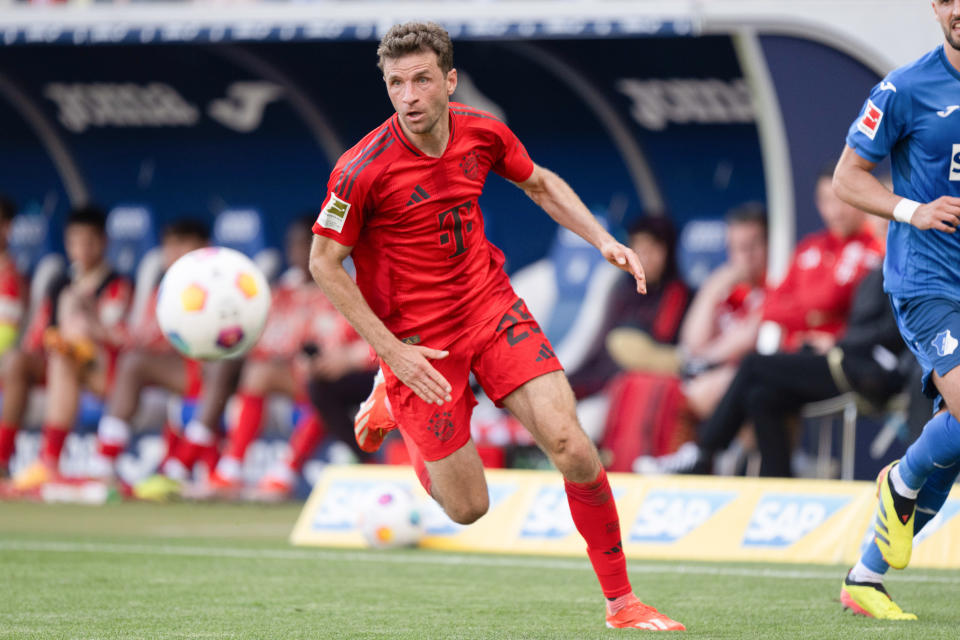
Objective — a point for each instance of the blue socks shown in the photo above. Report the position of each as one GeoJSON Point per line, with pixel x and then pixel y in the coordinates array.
{"type": "Point", "coordinates": [937, 447]}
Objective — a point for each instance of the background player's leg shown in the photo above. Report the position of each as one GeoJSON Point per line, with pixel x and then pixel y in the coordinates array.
{"type": "Point", "coordinates": [22, 371]}
{"type": "Point", "coordinates": [135, 370]}
{"type": "Point", "coordinates": [458, 484]}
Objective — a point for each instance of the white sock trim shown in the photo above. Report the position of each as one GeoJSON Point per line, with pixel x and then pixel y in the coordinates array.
{"type": "Point", "coordinates": [861, 573]}
{"type": "Point", "coordinates": [113, 431]}
{"type": "Point", "coordinates": [198, 433]}
{"type": "Point", "coordinates": [900, 486]}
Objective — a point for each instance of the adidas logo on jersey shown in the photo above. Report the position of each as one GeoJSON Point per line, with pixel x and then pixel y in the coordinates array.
{"type": "Point", "coordinates": [419, 195]}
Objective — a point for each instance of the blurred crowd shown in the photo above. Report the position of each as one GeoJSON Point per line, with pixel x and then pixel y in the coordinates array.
{"type": "Point", "coordinates": [695, 377]}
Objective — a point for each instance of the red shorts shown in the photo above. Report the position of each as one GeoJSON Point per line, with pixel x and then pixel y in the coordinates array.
{"type": "Point", "coordinates": [503, 354]}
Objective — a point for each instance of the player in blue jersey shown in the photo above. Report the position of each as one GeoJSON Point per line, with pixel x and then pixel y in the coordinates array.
{"type": "Point", "coordinates": [913, 116]}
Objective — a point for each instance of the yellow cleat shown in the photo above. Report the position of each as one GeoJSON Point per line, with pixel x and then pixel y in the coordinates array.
{"type": "Point", "coordinates": [893, 527]}
{"type": "Point", "coordinates": [872, 600]}
{"type": "Point", "coordinates": [36, 475]}
{"type": "Point", "coordinates": [157, 488]}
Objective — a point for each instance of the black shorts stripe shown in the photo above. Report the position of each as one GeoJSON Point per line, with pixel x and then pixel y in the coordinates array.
{"type": "Point", "coordinates": [338, 188]}
{"type": "Point", "coordinates": [388, 141]}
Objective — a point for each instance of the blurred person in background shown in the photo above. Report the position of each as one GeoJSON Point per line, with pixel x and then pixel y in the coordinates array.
{"type": "Point", "coordinates": [811, 309]}
{"type": "Point", "coordinates": [148, 359]}
{"type": "Point", "coordinates": [13, 298]}
{"type": "Point", "coordinates": [652, 319]}
{"type": "Point", "coordinates": [13, 291]}
{"type": "Point", "coordinates": [306, 343]}
{"type": "Point", "coordinates": [72, 344]}
{"type": "Point", "coordinates": [721, 325]}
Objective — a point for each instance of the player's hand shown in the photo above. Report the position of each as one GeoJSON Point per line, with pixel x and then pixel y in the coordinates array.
{"type": "Point", "coordinates": [625, 258]}
{"type": "Point", "coordinates": [411, 365]}
{"type": "Point", "coordinates": [943, 214]}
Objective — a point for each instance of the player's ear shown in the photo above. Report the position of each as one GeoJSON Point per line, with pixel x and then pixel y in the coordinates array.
{"type": "Point", "coordinates": [451, 81]}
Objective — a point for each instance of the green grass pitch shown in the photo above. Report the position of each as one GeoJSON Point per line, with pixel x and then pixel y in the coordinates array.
{"type": "Point", "coordinates": [226, 571]}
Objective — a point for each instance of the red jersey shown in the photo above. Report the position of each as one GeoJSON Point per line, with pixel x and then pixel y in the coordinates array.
{"type": "Point", "coordinates": [301, 314]}
{"type": "Point", "coordinates": [744, 300]}
{"type": "Point", "coordinates": [424, 264]}
{"type": "Point", "coordinates": [146, 333]}
{"type": "Point", "coordinates": [12, 292]}
{"type": "Point", "coordinates": [818, 290]}
{"type": "Point", "coordinates": [113, 296]}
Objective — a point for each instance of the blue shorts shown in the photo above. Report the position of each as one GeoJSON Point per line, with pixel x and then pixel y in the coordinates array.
{"type": "Point", "coordinates": [931, 328]}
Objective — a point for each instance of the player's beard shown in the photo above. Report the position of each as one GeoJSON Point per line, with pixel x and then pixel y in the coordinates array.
{"type": "Point", "coordinates": [952, 38]}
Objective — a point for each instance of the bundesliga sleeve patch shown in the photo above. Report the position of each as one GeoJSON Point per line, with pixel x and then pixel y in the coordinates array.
{"type": "Point", "coordinates": [334, 213]}
{"type": "Point", "coordinates": [870, 121]}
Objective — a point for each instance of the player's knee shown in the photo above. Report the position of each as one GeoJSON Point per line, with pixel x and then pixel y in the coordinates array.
{"type": "Point", "coordinates": [17, 366]}
{"type": "Point", "coordinates": [468, 511]}
{"type": "Point", "coordinates": [130, 365]}
{"type": "Point", "coordinates": [569, 452]}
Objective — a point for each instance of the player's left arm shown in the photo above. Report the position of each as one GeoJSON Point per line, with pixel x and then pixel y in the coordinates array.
{"type": "Point", "coordinates": [554, 195]}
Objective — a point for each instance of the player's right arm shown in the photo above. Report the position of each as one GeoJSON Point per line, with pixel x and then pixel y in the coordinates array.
{"type": "Point", "coordinates": [411, 364]}
{"type": "Point", "coordinates": [856, 185]}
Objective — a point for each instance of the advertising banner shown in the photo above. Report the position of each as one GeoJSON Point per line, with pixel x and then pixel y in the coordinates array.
{"type": "Point", "coordinates": [664, 517]}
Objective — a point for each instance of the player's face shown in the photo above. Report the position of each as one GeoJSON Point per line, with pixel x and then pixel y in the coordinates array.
{"type": "Point", "coordinates": [747, 249]}
{"type": "Point", "coordinates": [653, 255]}
{"type": "Point", "coordinates": [85, 245]}
{"type": "Point", "coordinates": [948, 14]}
{"type": "Point", "coordinates": [419, 90]}
{"type": "Point", "coordinates": [841, 219]}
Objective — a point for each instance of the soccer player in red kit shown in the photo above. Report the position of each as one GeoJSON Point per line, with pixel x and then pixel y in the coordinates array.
{"type": "Point", "coordinates": [433, 300]}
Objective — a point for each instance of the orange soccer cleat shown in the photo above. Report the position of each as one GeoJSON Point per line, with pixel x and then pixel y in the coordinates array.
{"type": "Point", "coordinates": [375, 418]}
{"type": "Point", "coordinates": [636, 615]}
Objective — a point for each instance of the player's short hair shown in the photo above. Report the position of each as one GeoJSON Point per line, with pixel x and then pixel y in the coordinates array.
{"type": "Point", "coordinates": [7, 209]}
{"type": "Point", "coordinates": [748, 213]}
{"type": "Point", "coordinates": [88, 216]}
{"type": "Point", "coordinates": [188, 228]}
{"type": "Point", "coordinates": [413, 37]}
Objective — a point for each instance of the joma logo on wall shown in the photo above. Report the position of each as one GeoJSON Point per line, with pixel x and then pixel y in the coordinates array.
{"type": "Point", "coordinates": [657, 103]}
{"type": "Point", "coordinates": [103, 104]}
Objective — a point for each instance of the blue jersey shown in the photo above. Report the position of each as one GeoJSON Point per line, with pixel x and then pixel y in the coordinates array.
{"type": "Point", "coordinates": [914, 116]}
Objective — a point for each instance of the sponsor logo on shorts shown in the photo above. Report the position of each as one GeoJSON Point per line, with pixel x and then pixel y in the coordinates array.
{"type": "Point", "coordinates": [870, 121]}
{"type": "Point", "coordinates": [945, 343]}
{"type": "Point", "coordinates": [334, 213]}
{"type": "Point", "coordinates": [946, 112]}
{"type": "Point", "coordinates": [441, 425]}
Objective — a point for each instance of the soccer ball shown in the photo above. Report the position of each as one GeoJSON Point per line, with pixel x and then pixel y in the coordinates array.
{"type": "Point", "coordinates": [390, 518]}
{"type": "Point", "coordinates": [213, 303]}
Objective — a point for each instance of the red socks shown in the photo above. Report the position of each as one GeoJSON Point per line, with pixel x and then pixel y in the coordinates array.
{"type": "Point", "coordinates": [249, 418]}
{"type": "Point", "coordinates": [8, 437]}
{"type": "Point", "coordinates": [594, 513]}
{"type": "Point", "coordinates": [306, 436]}
{"type": "Point", "coordinates": [52, 444]}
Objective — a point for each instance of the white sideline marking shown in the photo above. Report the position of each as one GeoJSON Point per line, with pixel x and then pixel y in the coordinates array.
{"type": "Point", "coordinates": [437, 558]}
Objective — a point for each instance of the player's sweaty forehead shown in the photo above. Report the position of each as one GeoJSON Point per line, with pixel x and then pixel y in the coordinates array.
{"type": "Point", "coordinates": [410, 65]}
